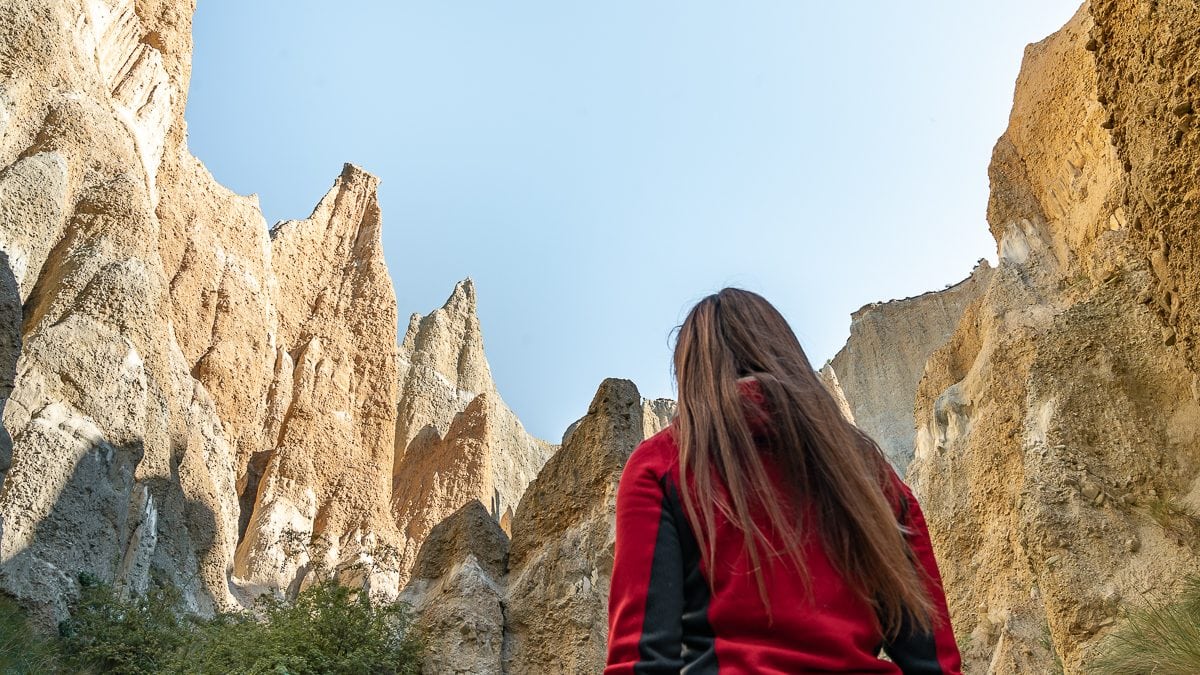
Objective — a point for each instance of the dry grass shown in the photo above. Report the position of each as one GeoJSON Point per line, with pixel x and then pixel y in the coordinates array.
{"type": "Point", "coordinates": [1156, 639]}
{"type": "Point", "coordinates": [22, 648]}
{"type": "Point", "coordinates": [1177, 518]}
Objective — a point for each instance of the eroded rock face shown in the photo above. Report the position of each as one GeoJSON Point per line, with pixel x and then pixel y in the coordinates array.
{"type": "Point", "coordinates": [167, 366]}
{"type": "Point", "coordinates": [456, 440]}
{"type": "Point", "coordinates": [875, 375]}
{"type": "Point", "coordinates": [830, 380]}
{"type": "Point", "coordinates": [456, 593]}
{"type": "Point", "coordinates": [560, 560]}
{"type": "Point", "coordinates": [546, 595]}
{"type": "Point", "coordinates": [324, 493]}
{"type": "Point", "coordinates": [118, 463]}
{"type": "Point", "coordinates": [190, 393]}
{"type": "Point", "coordinates": [1060, 422]}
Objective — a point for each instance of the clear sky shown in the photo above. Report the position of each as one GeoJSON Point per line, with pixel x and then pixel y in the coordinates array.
{"type": "Point", "coordinates": [597, 167]}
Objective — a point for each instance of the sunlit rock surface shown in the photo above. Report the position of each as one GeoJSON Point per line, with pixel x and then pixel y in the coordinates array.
{"type": "Point", "coordinates": [874, 376]}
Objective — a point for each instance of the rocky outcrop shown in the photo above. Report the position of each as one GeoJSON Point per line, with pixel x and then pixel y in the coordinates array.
{"type": "Point", "coordinates": [191, 397]}
{"type": "Point", "coordinates": [323, 497]}
{"type": "Point", "coordinates": [656, 415]}
{"type": "Point", "coordinates": [548, 598]}
{"type": "Point", "coordinates": [190, 394]}
{"type": "Point", "coordinates": [456, 440]}
{"type": "Point", "coordinates": [223, 293]}
{"type": "Point", "coordinates": [442, 367]}
{"type": "Point", "coordinates": [1056, 456]}
{"type": "Point", "coordinates": [456, 593]}
{"type": "Point", "coordinates": [177, 383]}
{"type": "Point", "coordinates": [118, 463]}
{"type": "Point", "coordinates": [875, 374]}
{"type": "Point", "coordinates": [561, 555]}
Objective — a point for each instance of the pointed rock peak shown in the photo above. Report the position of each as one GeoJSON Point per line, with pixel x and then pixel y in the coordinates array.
{"type": "Point", "coordinates": [354, 172]}
{"type": "Point", "coordinates": [410, 334]}
{"type": "Point", "coordinates": [471, 530]}
{"type": "Point", "coordinates": [611, 429]}
{"type": "Point", "coordinates": [459, 309]}
{"type": "Point", "coordinates": [657, 413]}
{"type": "Point", "coordinates": [450, 340]}
{"type": "Point", "coordinates": [462, 303]}
{"type": "Point", "coordinates": [615, 397]}
{"type": "Point", "coordinates": [350, 204]}
{"type": "Point", "coordinates": [591, 457]}
{"type": "Point", "coordinates": [355, 180]}
{"type": "Point", "coordinates": [465, 289]}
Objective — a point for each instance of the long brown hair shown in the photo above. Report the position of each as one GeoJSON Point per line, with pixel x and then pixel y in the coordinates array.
{"type": "Point", "coordinates": [817, 453]}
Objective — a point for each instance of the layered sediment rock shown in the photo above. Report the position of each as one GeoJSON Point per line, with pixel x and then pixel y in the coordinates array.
{"type": "Point", "coordinates": [876, 373]}
{"type": "Point", "coordinates": [323, 497]}
{"type": "Point", "coordinates": [190, 396]}
{"type": "Point", "coordinates": [186, 391]}
{"type": "Point", "coordinates": [547, 600]}
{"type": "Point", "coordinates": [1057, 449]}
{"type": "Point", "coordinates": [456, 440]}
{"type": "Point", "coordinates": [118, 463]}
{"type": "Point", "coordinates": [177, 382]}
{"type": "Point", "coordinates": [456, 593]}
{"type": "Point", "coordinates": [560, 561]}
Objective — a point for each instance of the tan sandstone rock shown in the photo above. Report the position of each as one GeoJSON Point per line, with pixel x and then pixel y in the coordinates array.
{"type": "Point", "coordinates": [875, 374]}
{"type": "Point", "coordinates": [167, 366]}
{"type": "Point", "coordinates": [1062, 413]}
{"type": "Point", "coordinates": [560, 560]}
{"type": "Point", "coordinates": [456, 593]}
{"type": "Point", "coordinates": [324, 492]}
{"type": "Point", "coordinates": [119, 463]}
{"type": "Point", "coordinates": [185, 391]}
{"type": "Point", "coordinates": [456, 440]}
{"type": "Point", "coordinates": [548, 600]}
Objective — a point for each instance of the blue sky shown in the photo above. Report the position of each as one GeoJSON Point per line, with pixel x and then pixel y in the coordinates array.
{"type": "Point", "coordinates": [598, 167]}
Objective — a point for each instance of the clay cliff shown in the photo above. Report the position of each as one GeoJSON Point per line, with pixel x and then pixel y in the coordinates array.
{"type": "Point", "coordinates": [874, 376]}
{"type": "Point", "coordinates": [119, 463]}
{"type": "Point", "coordinates": [538, 605]}
{"type": "Point", "coordinates": [324, 488]}
{"type": "Point", "coordinates": [186, 393]}
{"type": "Point", "coordinates": [1056, 429]}
{"type": "Point", "coordinates": [190, 396]}
{"type": "Point", "coordinates": [456, 440]}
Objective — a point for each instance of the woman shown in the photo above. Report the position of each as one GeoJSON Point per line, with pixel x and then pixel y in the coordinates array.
{"type": "Point", "coordinates": [794, 549]}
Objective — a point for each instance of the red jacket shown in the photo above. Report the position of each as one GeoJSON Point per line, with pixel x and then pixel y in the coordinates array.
{"type": "Point", "coordinates": [663, 618]}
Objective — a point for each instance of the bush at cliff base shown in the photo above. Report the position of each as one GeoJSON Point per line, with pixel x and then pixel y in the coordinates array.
{"type": "Point", "coordinates": [24, 650]}
{"type": "Point", "coordinates": [1157, 639]}
{"type": "Point", "coordinates": [327, 629]}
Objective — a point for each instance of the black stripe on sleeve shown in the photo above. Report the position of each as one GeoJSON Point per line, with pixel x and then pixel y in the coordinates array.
{"type": "Point", "coordinates": [914, 650]}
{"type": "Point", "coordinates": [659, 648]}
{"type": "Point", "coordinates": [698, 639]}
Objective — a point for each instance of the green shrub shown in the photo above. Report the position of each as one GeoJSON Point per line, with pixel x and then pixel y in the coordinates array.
{"type": "Point", "coordinates": [327, 629]}
{"type": "Point", "coordinates": [1157, 639]}
{"type": "Point", "coordinates": [112, 634]}
{"type": "Point", "coordinates": [23, 649]}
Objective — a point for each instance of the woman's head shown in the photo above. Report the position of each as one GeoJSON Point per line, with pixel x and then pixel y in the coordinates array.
{"type": "Point", "coordinates": [814, 453]}
{"type": "Point", "coordinates": [734, 334]}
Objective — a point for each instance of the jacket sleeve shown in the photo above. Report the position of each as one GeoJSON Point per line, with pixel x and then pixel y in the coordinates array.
{"type": "Point", "coordinates": [645, 600]}
{"type": "Point", "coordinates": [917, 651]}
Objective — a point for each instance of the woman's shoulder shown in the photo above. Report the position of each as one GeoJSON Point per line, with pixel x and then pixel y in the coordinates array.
{"type": "Point", "coordinates": [657, 454]}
